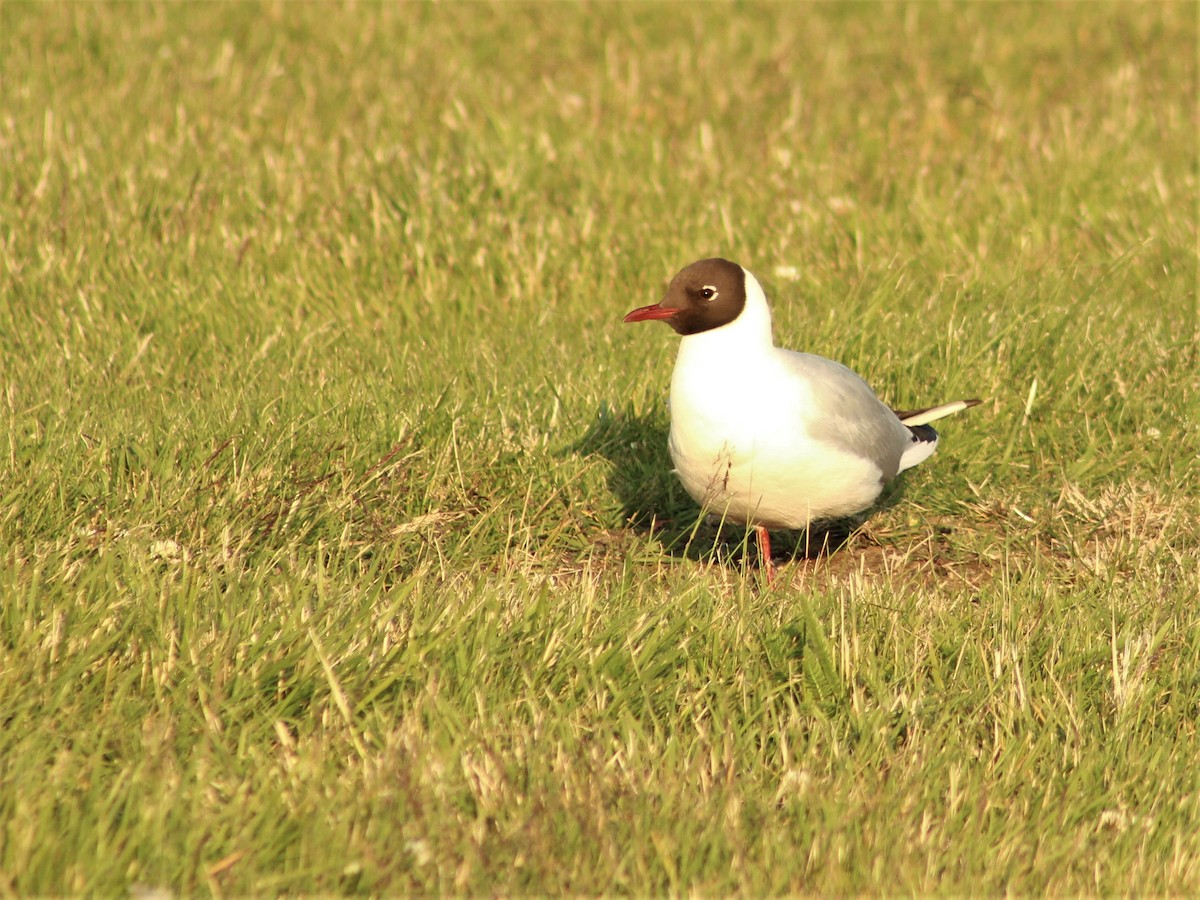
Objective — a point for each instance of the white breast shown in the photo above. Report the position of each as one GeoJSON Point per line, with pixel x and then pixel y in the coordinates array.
{"type": "Point", "coordinates": [748, 458]}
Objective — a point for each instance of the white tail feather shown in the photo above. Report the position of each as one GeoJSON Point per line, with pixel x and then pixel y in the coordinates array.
{"type": "Point", "coordinates": [917, 452]}
{"type": "Point", "coordinates": [925, 416]}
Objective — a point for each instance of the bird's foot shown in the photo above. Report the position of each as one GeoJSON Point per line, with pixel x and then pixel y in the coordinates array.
{"type": "Point", "coordinates": [764, 548]}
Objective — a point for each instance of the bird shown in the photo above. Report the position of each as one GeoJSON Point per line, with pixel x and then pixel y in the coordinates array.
{"type": "Point", "coordinates": [771, 438]}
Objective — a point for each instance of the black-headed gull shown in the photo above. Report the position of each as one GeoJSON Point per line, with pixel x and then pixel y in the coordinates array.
{"type": "Point", "coordinates": [769, 437]}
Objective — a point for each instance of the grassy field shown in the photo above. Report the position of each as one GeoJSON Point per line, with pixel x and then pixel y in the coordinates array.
{"type": "Point", "coordinates": [339, 550]}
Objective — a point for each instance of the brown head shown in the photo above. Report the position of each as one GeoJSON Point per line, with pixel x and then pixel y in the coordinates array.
{"type": "Point", "coordinates": [705, 295]}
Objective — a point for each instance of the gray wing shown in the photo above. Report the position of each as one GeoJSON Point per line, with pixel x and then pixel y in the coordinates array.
{"type": "Point", "coordinates": [847, 414]}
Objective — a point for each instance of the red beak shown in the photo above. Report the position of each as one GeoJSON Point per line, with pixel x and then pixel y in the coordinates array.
{"type": "Point", "coordinates": [647, 313]}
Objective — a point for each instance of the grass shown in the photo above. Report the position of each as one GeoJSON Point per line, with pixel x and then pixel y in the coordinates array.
{"type": "Point", "coordinates": [340, 551]}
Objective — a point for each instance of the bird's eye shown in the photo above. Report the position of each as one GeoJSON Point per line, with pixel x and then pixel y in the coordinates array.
{"type": "Point", "coordinates": [707, 292]}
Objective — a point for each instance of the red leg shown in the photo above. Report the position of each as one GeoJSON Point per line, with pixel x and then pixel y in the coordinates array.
{"type": "Point", "coordinates": [764, 547]}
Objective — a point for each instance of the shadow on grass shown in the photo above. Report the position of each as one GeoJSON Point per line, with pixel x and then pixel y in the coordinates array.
{"type": "Point", "coordinates": [652, 501]}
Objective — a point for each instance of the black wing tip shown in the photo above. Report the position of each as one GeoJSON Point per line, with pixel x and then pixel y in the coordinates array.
{"type": "Point", "coordinates": [923, 434]}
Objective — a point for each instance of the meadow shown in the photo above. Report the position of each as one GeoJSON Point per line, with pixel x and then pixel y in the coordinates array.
{"type": "Point", "coordinates": [339, 547]}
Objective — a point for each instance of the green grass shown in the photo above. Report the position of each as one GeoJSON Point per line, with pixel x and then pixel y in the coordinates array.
{"type": "Point", "coordinates": [340, 551]}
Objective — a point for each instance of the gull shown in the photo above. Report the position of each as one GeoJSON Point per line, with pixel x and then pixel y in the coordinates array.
{"type": "Point", "coordinates": [768, 437]}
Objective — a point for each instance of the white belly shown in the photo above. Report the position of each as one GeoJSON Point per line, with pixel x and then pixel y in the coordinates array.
{"type": "Point", "coordinates": [777, 480]}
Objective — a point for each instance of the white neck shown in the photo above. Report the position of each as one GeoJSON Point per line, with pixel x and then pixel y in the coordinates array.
{"type": "Point", "coordinates": [747, 335]}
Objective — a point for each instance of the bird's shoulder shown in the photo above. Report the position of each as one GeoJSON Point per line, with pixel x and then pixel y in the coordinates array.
{"type": "Point", "coordinates": [838, 404]}
{"type": "Point", "coordinates": [832, 377]}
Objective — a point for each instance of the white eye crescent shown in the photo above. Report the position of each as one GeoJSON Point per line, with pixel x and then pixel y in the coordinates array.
{"type": "Point", "coordinates": [708, 292]}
